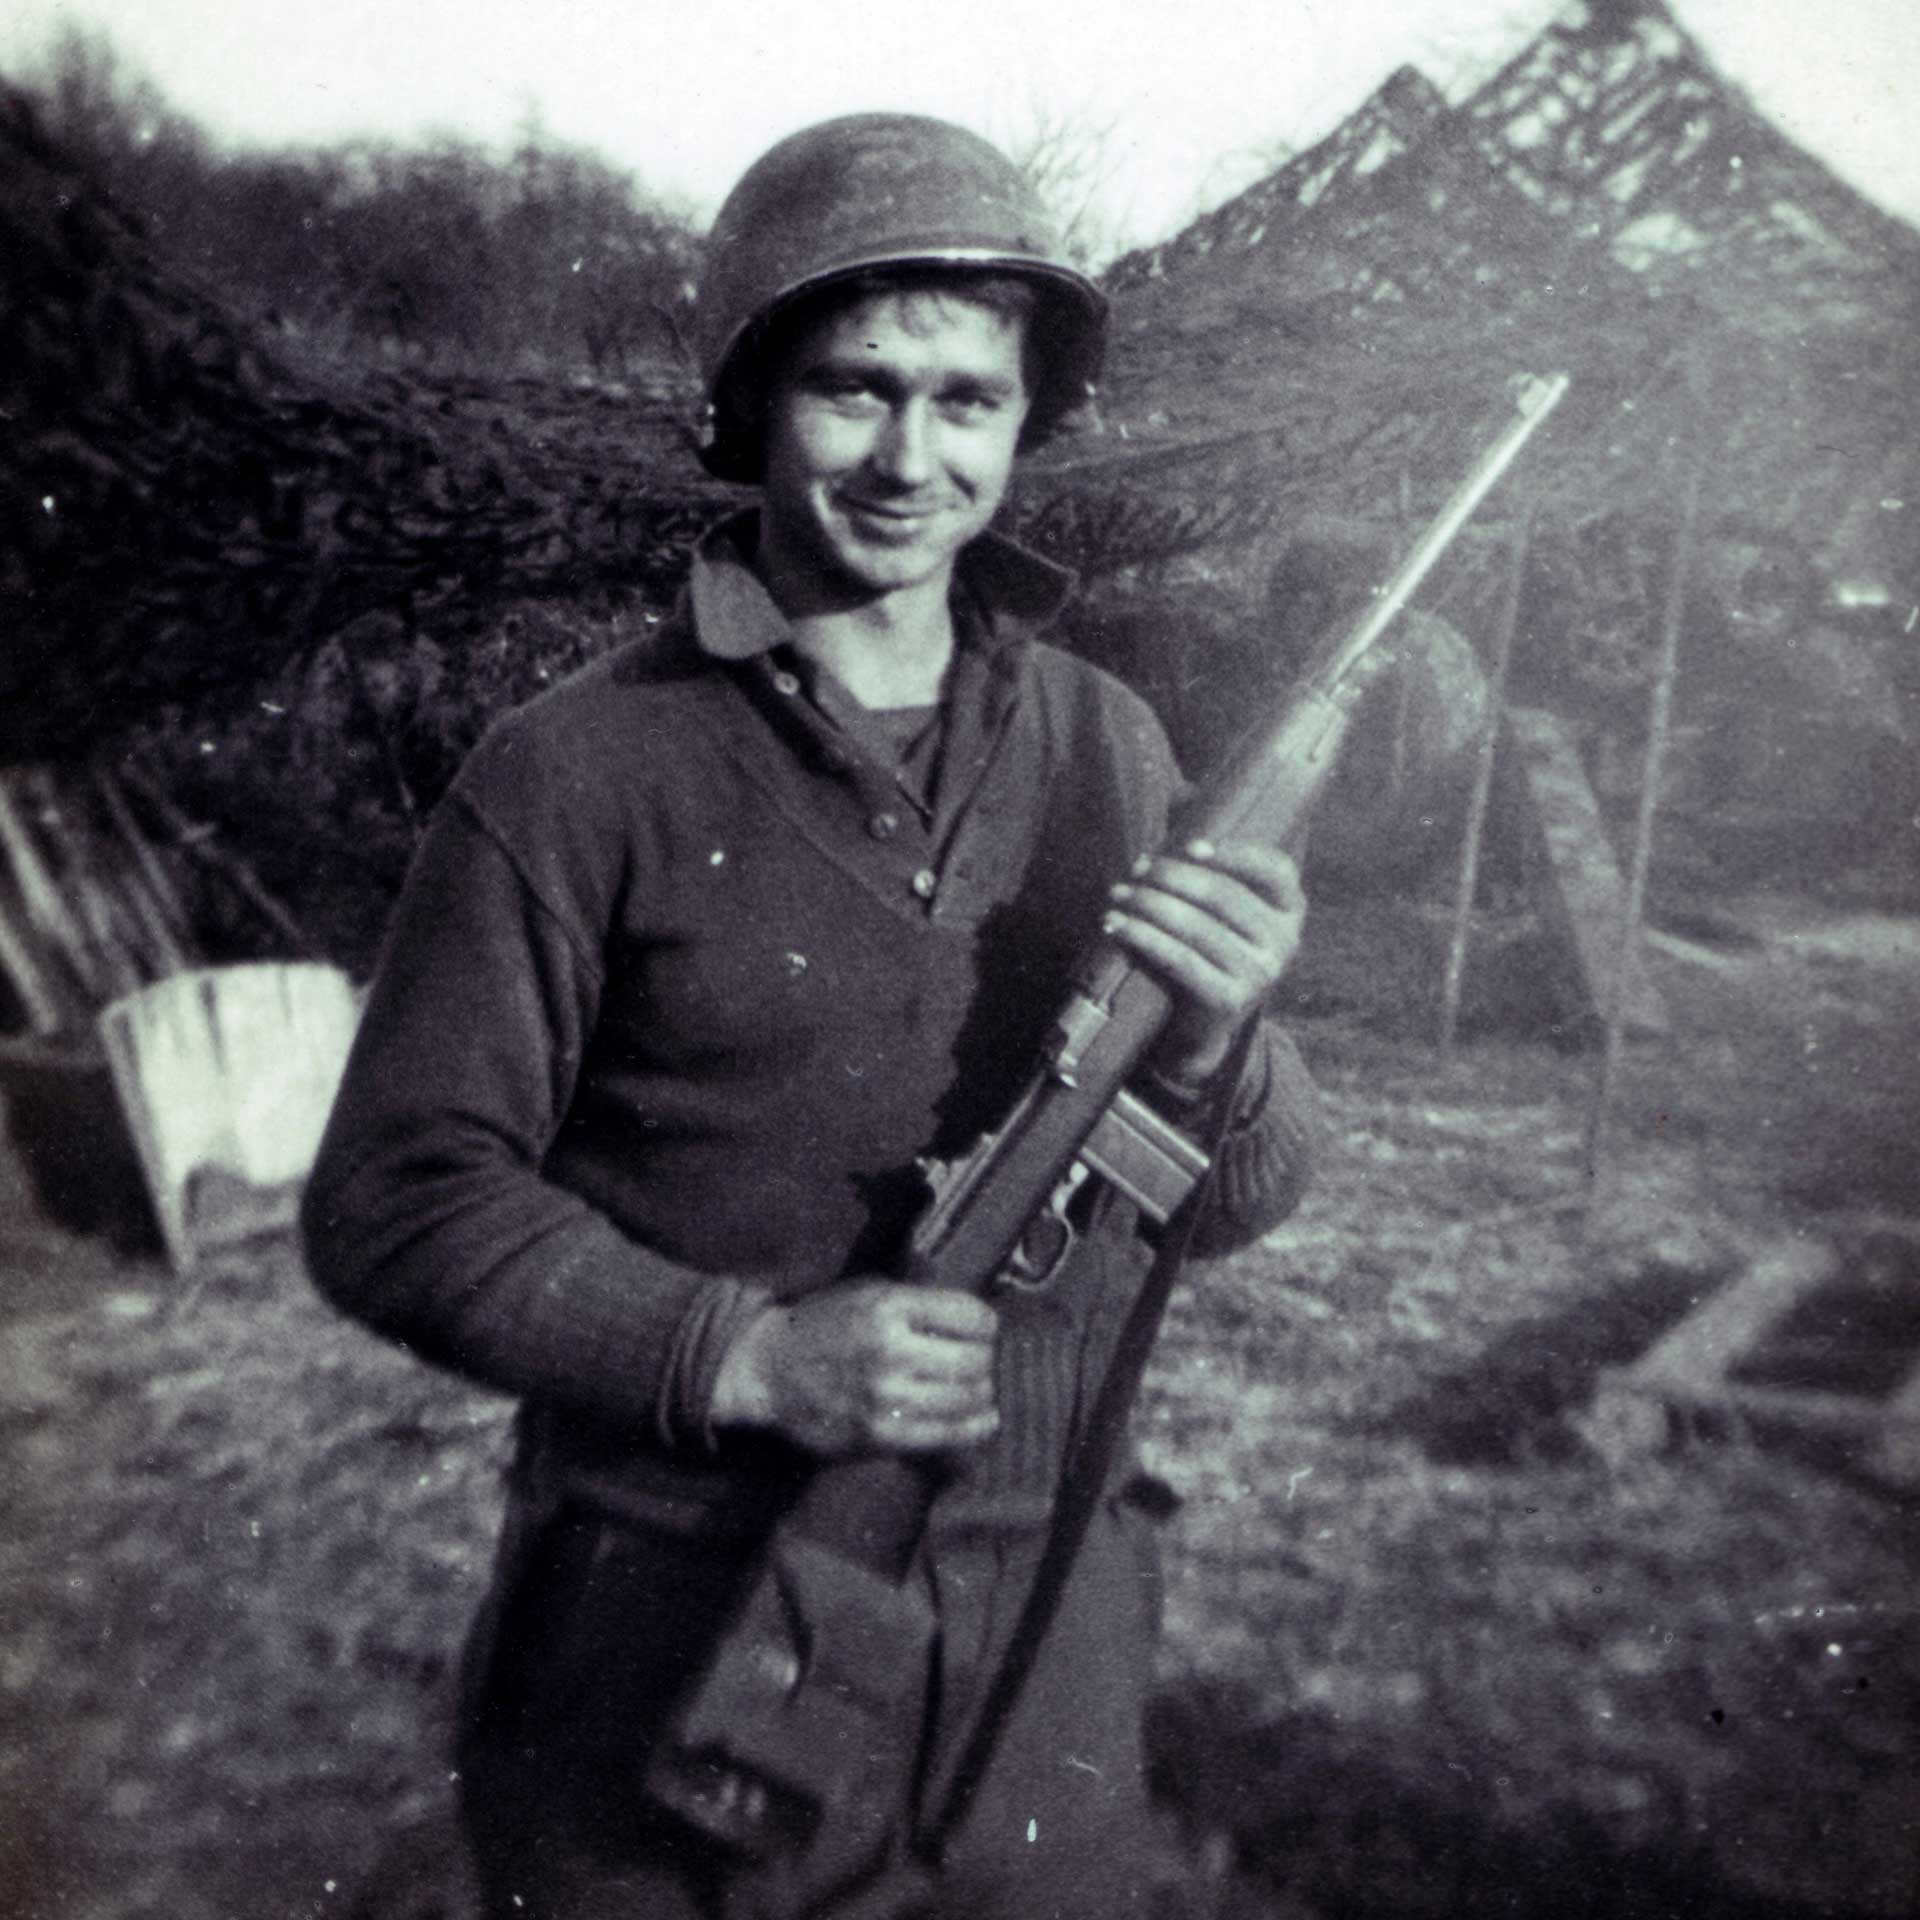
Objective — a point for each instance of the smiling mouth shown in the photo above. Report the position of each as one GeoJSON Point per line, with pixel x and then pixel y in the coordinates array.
{"type": "Point", "coordinates": [897, 516]}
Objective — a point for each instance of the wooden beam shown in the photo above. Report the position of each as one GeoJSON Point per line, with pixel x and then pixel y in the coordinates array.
{"type": "Point", "coordinates": [155, 899]}
{"type": "Point", "coordinates": [1483, 782]}
{"type": "Point", "coordinates": [46, 907]}
{"type": "Point", "coordinates": [36, 989]}
{"type": "Point", "coordinates": [199, 842]}
{"type": "Point", "coordinates": [1694, 1369]}
{"type": "Point", "coordinates": [1697, 1355]}
{"type": "Point", "coordinates": [1630, 954]}
{"type": "Point", "coordinates": [1582, 895]}
{"type": "Point", "coordinates": [92, 895]}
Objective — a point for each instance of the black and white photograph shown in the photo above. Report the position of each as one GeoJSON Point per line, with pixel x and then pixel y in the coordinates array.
{"type": "Point", "coordinates": [960, 962]}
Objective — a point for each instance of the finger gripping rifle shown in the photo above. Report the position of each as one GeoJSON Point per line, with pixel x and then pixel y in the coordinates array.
{"type": "Point", "coordinates": [794, 1748]}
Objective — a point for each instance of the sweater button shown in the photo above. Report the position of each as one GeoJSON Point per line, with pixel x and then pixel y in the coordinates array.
{"type": "Point", "coordinates": [883, 826]}
{"type": "Point", "coordinates": [785, 682]}
{"type": "Point", "coordinates": [925, 883]}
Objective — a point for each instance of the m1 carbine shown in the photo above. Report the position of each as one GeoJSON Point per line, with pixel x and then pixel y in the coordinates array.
{"type": "Point", "coordinates": [796, 1746]}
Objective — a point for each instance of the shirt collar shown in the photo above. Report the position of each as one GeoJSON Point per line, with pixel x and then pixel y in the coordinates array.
{"type": "Point", "coordinates": [734, 617]}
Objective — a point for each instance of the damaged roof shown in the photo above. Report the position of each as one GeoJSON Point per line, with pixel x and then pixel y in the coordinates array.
{"type": "Point", "coordinates": [187, 503]}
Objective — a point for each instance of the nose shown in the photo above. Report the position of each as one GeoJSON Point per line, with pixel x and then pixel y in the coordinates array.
{"type": "Point", "coordinates": [904, 450]}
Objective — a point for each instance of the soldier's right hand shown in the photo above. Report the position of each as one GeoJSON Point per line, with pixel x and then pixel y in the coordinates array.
{"type": "Point", "coordinates": [866, 1366]}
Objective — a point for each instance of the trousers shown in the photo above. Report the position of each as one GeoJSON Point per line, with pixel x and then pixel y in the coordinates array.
{"type": "Point", "coordinates": [584, 1651]}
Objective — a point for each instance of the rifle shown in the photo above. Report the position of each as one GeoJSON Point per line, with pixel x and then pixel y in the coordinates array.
{"type": "Point", "coordinates": [795, 1747]}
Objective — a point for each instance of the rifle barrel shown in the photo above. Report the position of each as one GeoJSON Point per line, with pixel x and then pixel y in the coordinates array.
{"type": "Point", "coordinates": [1538, 396]}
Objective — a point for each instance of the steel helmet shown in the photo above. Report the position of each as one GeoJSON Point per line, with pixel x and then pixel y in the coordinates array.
{"type": "Point", "coordinates": [863, 194]}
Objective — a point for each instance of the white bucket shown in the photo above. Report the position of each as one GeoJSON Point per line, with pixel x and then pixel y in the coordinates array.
{"type": "Point", "coordinates": [226, 1076]}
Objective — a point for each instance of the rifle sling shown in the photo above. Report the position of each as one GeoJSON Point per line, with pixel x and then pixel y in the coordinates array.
{"type": "Point", "coordinates": [1082, 1486]}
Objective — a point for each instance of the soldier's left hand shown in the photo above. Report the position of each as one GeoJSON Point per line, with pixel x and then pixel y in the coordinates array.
{"type": "Point", "coordinates": [1218, 925]}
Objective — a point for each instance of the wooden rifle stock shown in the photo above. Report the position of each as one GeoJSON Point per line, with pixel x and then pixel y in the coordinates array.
{"type": "Point", "coordinates": [737, 1761]}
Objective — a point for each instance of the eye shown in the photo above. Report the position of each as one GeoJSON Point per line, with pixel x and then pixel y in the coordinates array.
{"type": "Point", "coordinates": [970, 404]}
{"type": "Point", "coordinates": [845, 390]}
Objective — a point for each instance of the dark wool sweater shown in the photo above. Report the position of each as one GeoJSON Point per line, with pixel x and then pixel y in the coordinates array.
{"type": "Point", "coordinates": [681, 984]}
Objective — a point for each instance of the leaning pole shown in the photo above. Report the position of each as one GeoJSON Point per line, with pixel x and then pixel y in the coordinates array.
{"type": "Point", "coordinates": [1659, 715]}
{"type": "Point", "coordinates": [1483, 781]}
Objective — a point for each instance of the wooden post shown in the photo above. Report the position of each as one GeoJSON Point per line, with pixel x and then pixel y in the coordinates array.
{"type": "Point", "coordinates": [1483, 782]}
{"type": "Point", "coordinates": [230, 867]}
{"type": "Point", "coordinates": [1659, 716]}
{"type": "Point", "coordinates": [97, 910]}
{"type": "Point", "coordinates": [35, 989]}
{"type": "Point", "coordinates": [156, 900]}
{"type": "Point", "coordinates": [1403, 675]}
{"type": "Point", "coordinates": [47, 910]}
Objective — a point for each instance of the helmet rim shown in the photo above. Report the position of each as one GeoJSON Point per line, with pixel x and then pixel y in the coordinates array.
{"type": "Point", "coordinates": [803, 219]}
{"type": "Point", "coordinates": [1057, 276]}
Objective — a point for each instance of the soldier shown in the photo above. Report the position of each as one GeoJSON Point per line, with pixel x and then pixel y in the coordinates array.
{"type": "Point", "coordinates": [702, 952]}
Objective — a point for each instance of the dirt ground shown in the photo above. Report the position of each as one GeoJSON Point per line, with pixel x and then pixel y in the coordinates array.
{"type": "Point", "coordinates": [1445, 1632]}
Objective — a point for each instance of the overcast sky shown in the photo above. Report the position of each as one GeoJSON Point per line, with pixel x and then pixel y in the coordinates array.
{"type": "Point", "coordinates": [686, 92]}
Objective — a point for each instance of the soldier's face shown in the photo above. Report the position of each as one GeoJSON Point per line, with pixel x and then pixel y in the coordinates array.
{"type": "Point", "coordinates": [891, 431]}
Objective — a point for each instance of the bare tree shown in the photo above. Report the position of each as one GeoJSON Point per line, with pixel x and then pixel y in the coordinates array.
{"type": "Point", "coordinates": [1068, 155]}
{"type": "Point", "coordinates": [1233, 172]}
{"type": "Point", "coordinates": [597, 254]}
{"type": "Point", "coordinates": [548, 257]}
{"type": "Point", "coordinates": [119, 123]}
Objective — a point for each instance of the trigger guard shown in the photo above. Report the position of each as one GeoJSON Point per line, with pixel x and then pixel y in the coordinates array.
{"type": "Point", "coordinates": [1048, 1240]}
